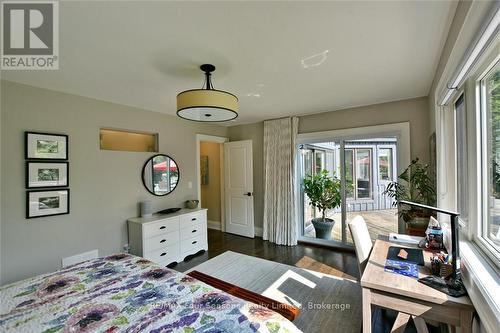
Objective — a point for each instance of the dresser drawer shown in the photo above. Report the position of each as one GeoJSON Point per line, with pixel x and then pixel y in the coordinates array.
{"type": "Point", "coordinates": [162, 240]}
{"type": "Point", "coordinates": [191, 219]}
{"type": "Point", "coordinates": [192, 244]}
{"type": "Point", "coordinates": [160, 227]}
{"type": "Point", "coordinates": [163, 254]}
{"type": "Point", "coordinates": [194, 230]}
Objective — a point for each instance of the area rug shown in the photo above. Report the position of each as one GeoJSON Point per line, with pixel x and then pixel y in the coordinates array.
{"type": "Point", "coordinates": [328, 303]}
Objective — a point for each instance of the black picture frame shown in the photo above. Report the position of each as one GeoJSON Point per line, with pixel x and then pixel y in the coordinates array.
{"type": "Point", "coordinates": [27, 143]}
{"type": "Point", "coordinates": [28, 163]}
{"type": "Point", "coordinates": [29, 216]}
{"type": "Point", "coordinates": [144, 181]}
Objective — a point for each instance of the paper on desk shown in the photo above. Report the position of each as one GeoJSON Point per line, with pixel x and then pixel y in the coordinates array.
{"type": "Point", "coordinates": [393, 237]}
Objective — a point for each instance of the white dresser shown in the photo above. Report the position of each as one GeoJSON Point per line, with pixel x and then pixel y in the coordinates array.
{"type": "Point", "coordinates": [165, 239]}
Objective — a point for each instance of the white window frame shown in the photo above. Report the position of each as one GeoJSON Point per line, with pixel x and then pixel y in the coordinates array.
{"type": "Point", "coordinates": [486, 64]}
{"type": "Point", "coordinates": [354, 187]}
{"type": "Point", "coordinates": [480, 271]}
{"type": "Point", "coordinates": [370, 173]}
{"type": "Point", "coordinates": [447, 181]}
{"type": "Point", "coordinates": [356, 197]}
{"type": "Point", "coordinates": [392, 175]}
{"type": "Point", "coordinates": [481, 265]}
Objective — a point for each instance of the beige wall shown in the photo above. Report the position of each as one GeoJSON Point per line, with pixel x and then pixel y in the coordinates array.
{"type": "Point", "coordinates": [105, 185]}
{"type": "Point", "coordinates": [415, 111]}
{"type": "Point", "coordinates": [210, 193]}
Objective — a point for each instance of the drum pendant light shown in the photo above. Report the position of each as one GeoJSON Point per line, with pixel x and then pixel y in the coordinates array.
{"type": "Point", "coordinates": [208, 104]}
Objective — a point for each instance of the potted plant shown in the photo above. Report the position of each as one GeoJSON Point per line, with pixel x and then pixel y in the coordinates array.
{"type": "Point", "coordinates": [415, 184]}
{"type": "Point", "coordinates": [324, 193]}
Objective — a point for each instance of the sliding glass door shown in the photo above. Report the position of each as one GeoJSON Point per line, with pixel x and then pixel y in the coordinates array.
{"type": "Point", "coordinates": [364, 167]}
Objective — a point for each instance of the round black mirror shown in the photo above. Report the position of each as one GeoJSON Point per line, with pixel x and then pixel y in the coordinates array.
{"type": "Point", "coordinates": [160, 175]}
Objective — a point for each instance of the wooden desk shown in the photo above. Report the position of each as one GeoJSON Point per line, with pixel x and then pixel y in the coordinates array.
{"type": "Point", "coordinates": [408, 296]}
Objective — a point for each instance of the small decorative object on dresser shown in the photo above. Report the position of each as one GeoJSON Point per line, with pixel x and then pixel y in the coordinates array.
{"type": "Point", "coordinates": [191, 204]}
{"type": "Point", "coordinates": [167, 239]}
{"type": "Point", "coordinates": [46, 146]}
{"type": "Point", "coordinates": [146, 208]}
{"type": "Point", "coordinates": [42, 203]}
{"type": "Point", "coordinates": [46, 174]}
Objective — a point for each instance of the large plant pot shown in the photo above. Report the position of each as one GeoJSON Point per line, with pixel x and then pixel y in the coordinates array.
{"type": "Point", "coordinates": [417, 226]}
{"type": "Point", "coordinates": [323, 228]}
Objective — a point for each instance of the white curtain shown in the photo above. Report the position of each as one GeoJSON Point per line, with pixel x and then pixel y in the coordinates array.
{"type": "Point", "coordinates": [280, 225]}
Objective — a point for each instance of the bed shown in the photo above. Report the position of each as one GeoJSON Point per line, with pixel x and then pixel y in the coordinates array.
{"type": "Point", "coordinates": [125, 293]}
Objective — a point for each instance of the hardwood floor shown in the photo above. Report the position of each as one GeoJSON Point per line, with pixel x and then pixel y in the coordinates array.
{"type": "Point", "coordinates": [379, 222]}
{"type": "Point", "coordinates": [306, 256]}
{"type": "Point", "coordinates": [322, 259]}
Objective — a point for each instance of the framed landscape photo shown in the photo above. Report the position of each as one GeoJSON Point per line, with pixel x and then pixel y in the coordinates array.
{"type": "Point", "coordinates": [204, 170]}
{"type": "Point", "coordinates": [47, 174]}
{"type": "Point", "coordinates": [46, 146]}
{"type": "Point", "coordinates": [40, 203]}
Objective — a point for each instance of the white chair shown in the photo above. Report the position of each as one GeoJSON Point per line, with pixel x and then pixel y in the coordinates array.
{"type": "Point", "coordinates": [362, 241]}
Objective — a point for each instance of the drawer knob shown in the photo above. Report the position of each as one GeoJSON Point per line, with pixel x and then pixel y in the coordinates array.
{"type": "Point", "coordinates": [194, 230]}
{"type": "Point", "coordinates": [194, 242]}
{"type": "Point", "coordinates": [163, 254]}
{"type": "Point", "coordinates": [193, 219]}
{"type": "Point", "coordinates": [163, 241]}
{"type": "Point", "coordinates": [162, 227]}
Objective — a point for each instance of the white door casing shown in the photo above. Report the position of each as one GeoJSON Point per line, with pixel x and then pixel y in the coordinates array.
{"type": "Point", "coordinates": [238, 180]}
{"type": "Point", "coordinates": [221, 140]}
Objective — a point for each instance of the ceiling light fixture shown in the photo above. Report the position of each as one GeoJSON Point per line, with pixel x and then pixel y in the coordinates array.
{"type": "Point", "coordinates": [207, 104]}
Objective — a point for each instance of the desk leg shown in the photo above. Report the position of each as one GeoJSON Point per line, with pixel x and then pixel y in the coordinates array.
{"type": "Point", "coordinates": [465, 321]}
{"type": "Point", "coordinates": [400, 323]}
{"type": "Point", "coordinates": [420, 324]}
{"type": "Point", "coordinates": [367, 311]}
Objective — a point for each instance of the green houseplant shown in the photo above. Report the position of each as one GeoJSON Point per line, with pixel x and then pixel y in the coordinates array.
{"type": "Point", "coordinates": [324, 193]}
{"type": "Point", "coordinates": [415, 184]}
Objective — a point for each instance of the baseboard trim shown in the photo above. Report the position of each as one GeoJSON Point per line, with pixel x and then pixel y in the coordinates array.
{"type": "Point", "coordinates": [213, 225]}
{"type": "Point", "coordinates": [258, 231]}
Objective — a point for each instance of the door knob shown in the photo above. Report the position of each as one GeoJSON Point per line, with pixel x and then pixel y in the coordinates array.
{"type": "Point", "coordinates": [248, 194]}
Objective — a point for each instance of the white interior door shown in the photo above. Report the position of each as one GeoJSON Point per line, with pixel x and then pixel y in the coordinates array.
{"type": "Point", "coordinates": [238, 179]}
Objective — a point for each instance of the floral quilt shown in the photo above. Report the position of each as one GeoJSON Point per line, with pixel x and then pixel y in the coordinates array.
{"type": "Point", "coordinates": [125, 293]}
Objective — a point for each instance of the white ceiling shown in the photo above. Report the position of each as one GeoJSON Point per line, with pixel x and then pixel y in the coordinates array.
{"type": "Point", "coordinates": [144, 53]}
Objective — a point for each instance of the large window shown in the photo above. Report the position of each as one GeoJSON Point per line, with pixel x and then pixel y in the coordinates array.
{"type": "Point", "coordinates": [363, 173]}
{"type": "Point", "coordinates": [468, 157]}
{"type": "Point", "coordinates": [385, 163]}
{"type": "Point", "coordinates": [490, 156]}
{"type": "Point", "coordinates": [319, 161]}
{"type": "Point", "coordinates": [358, 164]}
{"type": "Point", "coordinates": [476, 125]}
{"type": "Point", "coordinates": [349, 173]}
